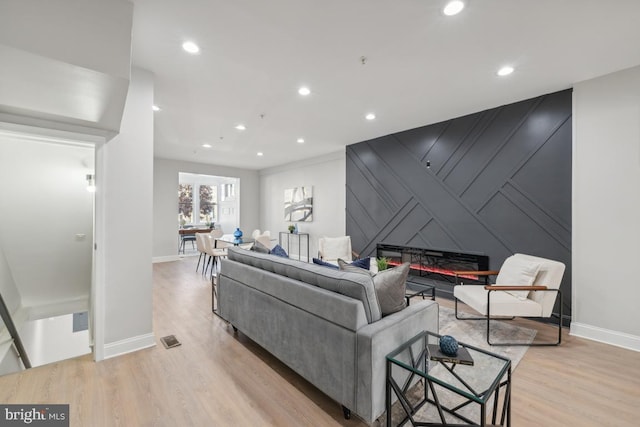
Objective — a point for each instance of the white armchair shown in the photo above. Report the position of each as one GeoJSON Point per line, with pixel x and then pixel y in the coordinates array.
{"type": "Point", "coordinates": [526, 286]}
{"type": "Point", "coordinates": [332, 248]}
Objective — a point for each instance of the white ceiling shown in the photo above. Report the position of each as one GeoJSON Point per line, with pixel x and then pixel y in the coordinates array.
{"type": "Point", "coordinates": [421, 67]}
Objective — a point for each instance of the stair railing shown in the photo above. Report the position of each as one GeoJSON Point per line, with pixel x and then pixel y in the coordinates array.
{"type": "Point", "coordinates": [13, 332]}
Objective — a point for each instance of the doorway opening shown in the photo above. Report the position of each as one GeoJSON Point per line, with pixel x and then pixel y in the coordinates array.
{"type": "Point", "coordinates": [206, 201]}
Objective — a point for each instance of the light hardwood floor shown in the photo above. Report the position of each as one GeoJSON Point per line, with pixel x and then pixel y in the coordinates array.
{"type": "Point", "coordinates": [218, 378]}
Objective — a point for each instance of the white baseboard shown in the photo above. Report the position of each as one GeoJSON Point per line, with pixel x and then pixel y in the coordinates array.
{"type": "Point", "coordinates": [607, 336]}
{"type": "Point", "coordinates": [167, 258]}
{"type": "Point", "coordinates": [129, 345]}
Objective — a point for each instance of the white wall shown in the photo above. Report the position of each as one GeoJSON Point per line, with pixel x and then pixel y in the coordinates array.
{"type": "Point", "coordinates": [8, 288]}
{"type": "Point", "coordinates": [65, 63]}
{"type": "Point", "coordinates": [124, 224]}
{"type": "Point", "coordinates": [165, 201]}
{"type": "Point", "coordinates": [46, 222]}
{"type": "Point", "coordinates": [606, 209]}
{"type": "Point", "coordinates": [327, 176]}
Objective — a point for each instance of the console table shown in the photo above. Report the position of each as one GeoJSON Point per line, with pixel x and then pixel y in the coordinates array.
{"type": "Point", "coordinates": [298, 238]}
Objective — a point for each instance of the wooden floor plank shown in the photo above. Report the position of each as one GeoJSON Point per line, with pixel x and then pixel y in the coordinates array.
{"type": "Point", "coordinates": [220, 378]}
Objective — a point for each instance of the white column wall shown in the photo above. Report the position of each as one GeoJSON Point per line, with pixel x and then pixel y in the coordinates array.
{"type": "Point", "coordinates": [327, 176]}
{"type": "Point", "coordinates": [165, 201]}
{"type": "Point", "coordinates": [124, 225]}
{"type": "Point", "coordinates": [606, 209]}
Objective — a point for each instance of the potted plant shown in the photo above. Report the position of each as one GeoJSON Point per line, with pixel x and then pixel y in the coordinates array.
{"type": "Point", "coordinates": [383, 263]}
{"type": "Point", "coordinates": [291, 228]}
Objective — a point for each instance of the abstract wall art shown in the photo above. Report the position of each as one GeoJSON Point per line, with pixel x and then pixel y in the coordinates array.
{"type": "Point", "coordinates": [298, 204]}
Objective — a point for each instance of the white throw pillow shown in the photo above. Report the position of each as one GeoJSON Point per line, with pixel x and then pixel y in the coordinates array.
{"type": "Point", "coordinates": [518, 272]}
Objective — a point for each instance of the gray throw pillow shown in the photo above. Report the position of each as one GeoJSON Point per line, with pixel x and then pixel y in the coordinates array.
{"type": "Point", "coordinates": [345, 266]}
{"type": "Point", "coordinates": [259, 247]}
{"type": "Point", "coordinates": [390, 285]}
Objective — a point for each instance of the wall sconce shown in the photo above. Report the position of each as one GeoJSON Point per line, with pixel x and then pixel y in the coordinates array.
{"type": "Point", "coordinates": [91, 183]}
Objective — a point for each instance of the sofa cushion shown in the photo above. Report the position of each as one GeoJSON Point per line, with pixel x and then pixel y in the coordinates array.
{"type": "Point", "coordinates": [390, 285]}
{"type": "Point", "coordinates": [362, 263]}
{"type": "Point", "coordinates": [353, 285]}
{"type": "Point", "coordinates": [353, 267]}
{"type": "Point", "coordinates": [518, 271]}
{"type": "Point", "coordinates": [259, 247]}
{"type": "Point", "coordinates": [325, 264]}
{"type": "Point", "coordinates": [279, 251]}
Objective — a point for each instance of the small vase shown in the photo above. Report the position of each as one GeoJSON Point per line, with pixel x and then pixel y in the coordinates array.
{"type": "Point", "coordinates": [449, 345]}
{"type": "Point", "coordinates": [238, 233]}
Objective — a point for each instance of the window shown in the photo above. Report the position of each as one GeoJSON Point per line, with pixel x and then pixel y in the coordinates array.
{"type": "Point", "coordinates": [208, 202]}
{"type": "Point", "coordinates": [205, 204]}
{"type": "Point", "coordinates": [185, 204]}
{"type": "Point", "coordinates": [203, 199]}
{"type": "Point", "coordinates": [228, 191]}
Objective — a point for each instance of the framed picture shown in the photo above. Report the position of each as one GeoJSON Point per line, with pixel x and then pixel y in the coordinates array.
{"type": "Point", "coordinates": [298, 204]}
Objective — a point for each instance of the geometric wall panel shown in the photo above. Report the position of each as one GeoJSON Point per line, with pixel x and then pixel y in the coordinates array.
{"type": "Point", "coordinates": [496, 182]}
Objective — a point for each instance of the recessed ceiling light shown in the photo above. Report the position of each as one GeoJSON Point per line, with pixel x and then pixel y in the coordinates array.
{"type": "Point", "coordinates": [453, 7]}
{"type": "Point", "coordinates": [191, 47]}
{"type": "Point", "coordinates": [241, 127]}
{"type": "Point", "coordinates": [370, 116]}
{"type": "Point", "coordinates": [300, 140]}
{"type": "Point", "coordinates": [155, 108]}
{"type": "Point", "coordinates": [505, 71]}
{"type": "Point", "coordinates": [206, 145]}
{"type": "Point", "coordinates": [260, 153]}
{"type": "Point", "coordinates": [304, 91]}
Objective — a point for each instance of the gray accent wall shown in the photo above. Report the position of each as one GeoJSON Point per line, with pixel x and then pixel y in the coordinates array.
{"type": "Point", "coordinates": [496, 182]}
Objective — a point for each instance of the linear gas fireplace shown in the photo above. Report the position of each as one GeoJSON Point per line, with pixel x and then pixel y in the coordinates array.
{"type": "Point", "coordinates": [433, 266]}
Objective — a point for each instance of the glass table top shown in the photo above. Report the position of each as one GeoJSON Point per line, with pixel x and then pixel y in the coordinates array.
{"type": "Point", "coordinates": [474, 381]}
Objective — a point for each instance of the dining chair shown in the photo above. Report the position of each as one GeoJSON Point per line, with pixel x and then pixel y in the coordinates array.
{"type": "Point", "coordinates": [215, 249]}
{"type": "Point", "coordinates": [186, 238]}
{"type": "Point", "coordinates": [200, 245]}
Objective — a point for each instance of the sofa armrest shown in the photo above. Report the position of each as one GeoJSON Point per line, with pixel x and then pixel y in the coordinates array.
{"type": "Point", "coordinates": [376, 340]}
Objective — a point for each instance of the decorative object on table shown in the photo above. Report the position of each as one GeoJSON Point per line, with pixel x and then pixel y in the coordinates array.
{"type": "Point", "coordinates": [211, 225]}
{"type": "Point", "coordinates": [383, 263]}
{"type": "Point", "coordinates": [298, 204]}
{"type": "Point", "coordinates": [295, 229]}
{"type": "Point", "coordinates": [449, 345]}
{"type": "Point", "coordinates": [463, 357]}
{"type": "Point", "coordinates": [237, 234]}
{"type": "Point", "coordinates": [291, 228]}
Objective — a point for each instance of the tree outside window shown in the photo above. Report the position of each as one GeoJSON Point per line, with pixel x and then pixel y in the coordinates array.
{"type": "Point", "coordinates": [185, 204]}
{"type": "Point", "coordinates": [208, 201]}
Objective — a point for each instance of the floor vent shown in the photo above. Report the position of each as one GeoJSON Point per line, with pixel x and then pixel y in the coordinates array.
{"type": "Point", "coordinates": [170, 341]}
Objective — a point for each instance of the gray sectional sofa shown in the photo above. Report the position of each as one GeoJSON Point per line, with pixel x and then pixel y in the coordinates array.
{"type": "Point", "coordinates": [324, 324]}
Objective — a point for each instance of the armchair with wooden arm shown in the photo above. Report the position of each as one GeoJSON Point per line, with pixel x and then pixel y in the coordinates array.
{"type": "Point", "coordinates": [332, 248]}
{"type": "Point", "coordinates": [526, 286]}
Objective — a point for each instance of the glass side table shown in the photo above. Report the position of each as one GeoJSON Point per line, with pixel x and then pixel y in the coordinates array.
{"type": "Point", "coordinates": [441, 392]}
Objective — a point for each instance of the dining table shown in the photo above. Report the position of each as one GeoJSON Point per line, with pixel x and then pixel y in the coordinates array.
{"type": "Point", "coordinates": [231, 239]}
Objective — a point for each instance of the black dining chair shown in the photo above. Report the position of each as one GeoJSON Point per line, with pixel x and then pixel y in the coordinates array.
{"type": "Point", "coordinates": [187, 238]}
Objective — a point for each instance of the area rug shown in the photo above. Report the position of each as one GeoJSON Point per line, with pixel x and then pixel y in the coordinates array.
{"type": "Point", "coordinates": [471, 332]}
{"type": "Point", "coordinates": [474, 332]}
